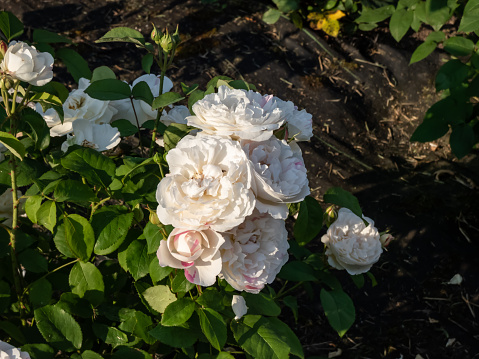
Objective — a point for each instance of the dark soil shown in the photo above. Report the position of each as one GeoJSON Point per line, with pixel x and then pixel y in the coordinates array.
{"type": "Point", "coordinates": [363, 122]}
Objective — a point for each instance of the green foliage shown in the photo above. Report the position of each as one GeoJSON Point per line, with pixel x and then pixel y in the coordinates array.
{"type": "Point", "coordinates": [339, 309]}
{"type": "Point", "coordinates": [309, 221]}
{"type": "Point", "coordinates": [10, 26]}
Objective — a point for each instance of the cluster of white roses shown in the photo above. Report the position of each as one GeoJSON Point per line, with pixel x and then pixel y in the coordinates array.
{"type": "Point", "coordinates": [228, 189]}
{"type": "Point", "coordinates": [8, 351]}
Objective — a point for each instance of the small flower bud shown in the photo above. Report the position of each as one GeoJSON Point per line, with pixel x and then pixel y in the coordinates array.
{"type": "Point", "coordinates": [166, 42]}
{"type": "Point", "coordinates": [3, 49]}
{"type": "Point", "coordinates": [330, 215]}
{"type": "Point", "coordinates": [154, 218]}
{"type": "Point", "coordinates": [155, 34]}
{"type": "Point", "coordinates": [385, 239]}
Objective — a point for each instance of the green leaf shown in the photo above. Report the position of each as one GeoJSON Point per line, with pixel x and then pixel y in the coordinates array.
{"type": "Point", "coordinates": [37, 128]}
{"type": "Point", "coordinates": [271, 16]}
{"type": "Point", "coordinates": [10, 25]}
{"type": "Point", "coordinates": [32, 205]}
{"type": "Point", "coordinates": [40, 293]}
{"type": "Point", "coordinates": [157, 273]}
{"type": "Point", "coordinates": [292, 302]}
{"type": "Point", "coordinates": [462, 140]}
{"type": "Point", "coordinates": [108, 90]}
{"type": "Point", "coordinates": [39, 351]}
{"type": "Point", "coordinates": [154, 236]}
{"type": "Point", "coordinates": [147, 62]}
{"type": "Point", "coordinates": [137, 259]}
{"type": "Point", "coordinates": [87, 354]}
{"type": "Point", "coordinates": [265, 337]}
{"type": "Point", "coordinates": [358, 280]}
{"type": "Point", "coordinates": [423, 51]}
{"type": "Point", "coordinates": [459, 46]}
{"type": "Point", "coordinates": [130, 353]}
{"type": "Point", "coordinates": [214, 81]}
{"type": "Point", "coordinates": [86, 281]}
{"type": "Point", "coordinates": [61, 243]}
{"type": "Point", "coordinates": [55, 88]}
{"type": "Point", "coordinates": [225, 355]}
{"type": "Point", "coordinates": [430, 129]}
{"type": "Point", "coordinates": [110, 335]}
{"type": "Point", "coordinates": [369, 15]}
{"type": "Point", "coordinates": [339, 310]}
{"type": "Point", "coordinates": [309, 222]}
{"type": "Point", "coordinates": [298, 272]}
{"type": "Point", "coordinates": [33, 261]}
{"type": "Point", "coordinates": [95, 167]}
{"type": "Point", "coordinates": [173, 134]}
{"type": "Point", "coordinates": [102, 73]}
{"type": "Point", "coordinates": [75, 305]}
{"type": "Point", "coordinates": [178, 312]}
{"type": "Point", "coordinates": [13, 331]}
{"type": "Point", "coordinates": [400, 22]}
{"type": "Point", "coordinates": [166, 99]}
{"type": "Point", "coordinates": [176, 337]}
{"type": "Point", "coordinates": [12, 144]}
{"type": "Point", "coordinates": [136, 323]}
{"type": "Point", "coordinates": [437, 13]}
{"type": "Point", "coordinates": [125, 127]}
{"type": "Point", "coordinates": [262, 304]}
{"type": "Point", "coordinates": [470, 18]}
{"type": "Point", "coordinates": [187, 90]}
{"type": "Point", "coordinates": [79, 236]}
{"type": "Point", "coordinates": [75, 63]}
{"type": "Point", "coordinates": [141, 91]}
{"type": "Point", "coordinates": [74, 191]}
{"type": "Point", "coordinates": [158, 297]}
{"type": "Point", "coordinates": [194, 97]}
{"type": "Point", "coordinates": [213, 326]}
{"type": "Point", "coordinates": [211, 298]}
{"type": "Point", "coordinates": [287, 5]}
{"type": "Point", "coordinates": [111, 225]}
{"type": "Point", "coordinates": [40, 35]}
{"type": "Point", "coordinates": [452, 74]}
{"type": "Point", "coordinates": [180, 283]}
{"type": "Point", "coordinates": [123, 34]}
{"type": "Point", "coordinates": [58, 328]}
{"type": "Point", "coordinates": [343, 198]}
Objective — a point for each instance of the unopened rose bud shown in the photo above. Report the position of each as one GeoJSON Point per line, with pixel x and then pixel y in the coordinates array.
{"type": "Point", "coordinates": [138, 213]}
{"type": "Point", "coordinates": [6, 83]}
{"type": "Point", "coordinates": [166, 42]}
{"type": "Point", "coordinates": [176, 37]}
{"type": "Point", "coordinates": [385, 239]}
{"type": "Point", "coordinates": [3, 49]}
{"type": "Point", "coordinates": [330, 215]}
{"type": "Point", "coordinates": [155, 34]}
{"type": "Point", "coordinates": [154, 218]}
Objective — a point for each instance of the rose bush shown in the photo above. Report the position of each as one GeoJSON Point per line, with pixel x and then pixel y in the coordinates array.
{"type": "Point", "coordinates": [117, 243]}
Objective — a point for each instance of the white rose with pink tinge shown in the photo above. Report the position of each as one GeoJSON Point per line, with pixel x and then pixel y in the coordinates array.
{"type": "Point", "coordinates": [209, 185]}
{"type": "Point", "coordinates": [197, 252]}
{"type": "Point", "coordinates": [238, 114]}
{"type": "Point", "coordinates": [254, 252]}
{"type": "Point", "coordinates": [352, 245]}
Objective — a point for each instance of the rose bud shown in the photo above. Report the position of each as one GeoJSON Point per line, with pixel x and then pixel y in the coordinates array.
{"type": "Point", "coordinates": [385, 239]}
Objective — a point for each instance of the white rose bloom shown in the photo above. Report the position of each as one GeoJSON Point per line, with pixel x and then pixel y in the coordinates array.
{"type": "Point", "coordinates": [239, 307]}
{"type": "Point", "coordinates": [300, 123]}
{"type": "Point", "coordinates": [279, 177]}
{"type": "Point", "coordinates": [197, 252]}
{"type": "Point", "coordinates": [6, 204]}
{"type": "Point", "coordinates": [209, 185]}
{"type": "Point", "coordinates": [239, 114]}
{"type": "Point", "coordinates": [254, 252]}
{"type": "Point", "coordinates": [25, 63]}
{"type": "Point", "coordinates": [87, 134]}
{"type": "Point", "coordinates": [142, 109]}
{"type": "Point", "coordinates": [350, 244]}
{"type": "Point", "coordinates": [8, 351]}
{"type": "Point", "coordinates": [177, 114]}
{"type": "Point", "coordinates": [50, 116]}
{"type": "Point", "coordinates": [79, 105]}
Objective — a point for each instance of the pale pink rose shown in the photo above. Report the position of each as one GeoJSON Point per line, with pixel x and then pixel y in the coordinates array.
{"type": "Point", "coordinates": [238, 114]}
{"type": "Point", "coordinates": [209, 185]}
{"type": "Point", "coordinates": [197, 252]}
{"type": "Point", "coordinates": [254, 252]}
{"type": "Point", "coordinates": [352, 245]}
{"type": "Point", "coordinates": [299, 123]}
{"type": "Point", "coordinates": [280, 175]}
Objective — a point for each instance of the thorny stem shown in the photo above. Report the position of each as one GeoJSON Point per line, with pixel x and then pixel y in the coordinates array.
{"type": "Point", "coordinates": [283, 293]}
{"type": "Point", "coordinates": [95, 206]}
